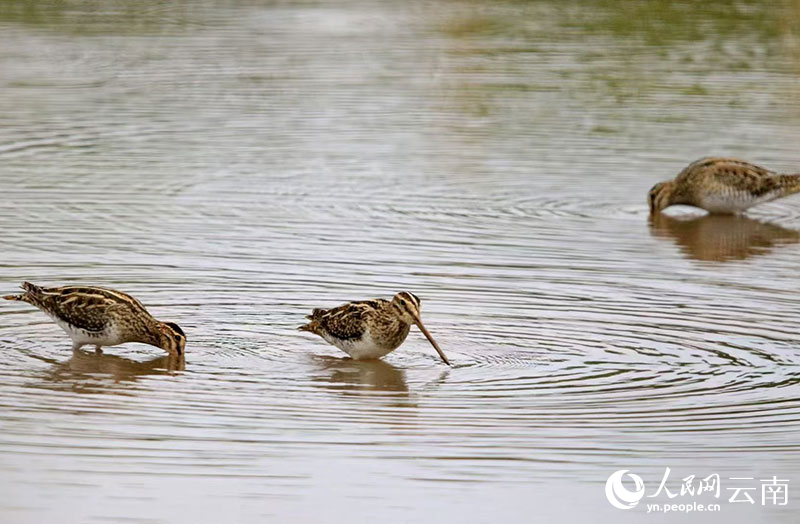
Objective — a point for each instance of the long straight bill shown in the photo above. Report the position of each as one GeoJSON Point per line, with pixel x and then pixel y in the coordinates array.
{"type": "Point", "coordinates": [425, 332]}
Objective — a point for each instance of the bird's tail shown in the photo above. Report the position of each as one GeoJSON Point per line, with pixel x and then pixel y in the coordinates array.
{"type": "Point", "coordinates": [313, 326]}
{"type": "Point", "coordinates": [790, 183]}
{"type": "Point", "coordinates": [32, 293]}
{"type": "Point", "coordinates": [316, 313]}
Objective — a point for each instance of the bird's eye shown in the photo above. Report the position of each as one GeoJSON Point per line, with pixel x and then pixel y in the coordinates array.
{"type": "Point", "coordinates": [178, 338]}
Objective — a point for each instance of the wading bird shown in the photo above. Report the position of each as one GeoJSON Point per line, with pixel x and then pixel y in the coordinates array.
{"type": "Point", "coordinates": [102, 317]}
{"type": "Point", "coordinates": [722, 186]}
{"type": "Point", "coordinates": [370, 329]}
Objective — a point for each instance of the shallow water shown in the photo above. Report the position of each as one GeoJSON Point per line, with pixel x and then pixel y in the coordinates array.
{"type": "Point", "coordinates": [235, 166]}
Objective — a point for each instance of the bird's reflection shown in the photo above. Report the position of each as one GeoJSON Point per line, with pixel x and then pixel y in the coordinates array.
{"type": "Point", "coordinates": [77, 371]}
{"type": "Point", "coordinates": [721, 238]}
{"type": "Point", "coordinates": [351, 375]}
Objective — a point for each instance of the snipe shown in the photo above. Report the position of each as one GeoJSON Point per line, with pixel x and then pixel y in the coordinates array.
{"type": "Point", "coordinates": [102, 317]}
{"type": "Point", "coordinates": [723, 186]}
{"type": "Point", "coordinates": [370, 329]}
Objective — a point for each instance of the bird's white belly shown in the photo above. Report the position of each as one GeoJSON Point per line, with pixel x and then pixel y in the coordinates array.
{"type": "Point", "coordinates": [734, 202]}
{"type": "Point", "coordinates": [81, 337]}
{"type": "Point", "coordinates": [363, 348]}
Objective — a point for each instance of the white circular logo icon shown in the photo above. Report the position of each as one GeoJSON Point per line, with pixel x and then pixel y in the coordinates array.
{"type": "Point", "coordinates": [618, 496]}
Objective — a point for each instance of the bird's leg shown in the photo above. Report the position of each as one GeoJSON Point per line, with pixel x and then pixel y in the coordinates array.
{"type": "Point", "coordinates": [76, 346]}
{"type": "Point", "coordinates": [98, 349]}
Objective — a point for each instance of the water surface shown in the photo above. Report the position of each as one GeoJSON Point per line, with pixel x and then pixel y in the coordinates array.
{"type": "Point", "coordinates": [235, 165]}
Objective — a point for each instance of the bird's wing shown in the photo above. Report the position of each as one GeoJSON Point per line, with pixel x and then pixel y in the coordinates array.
{"type": "Point", "coordinates": [737, 175]}
{"type": "Point", "coordinates": [119, 296]}
{"type": "Point", "coordinates": [348, 321]}
{"type": "Point", "coordinates": [84, 312]}
{"type": "Point", "coordinates": [88, 308]}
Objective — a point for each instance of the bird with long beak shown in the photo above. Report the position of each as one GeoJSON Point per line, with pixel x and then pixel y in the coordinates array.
{"type": "Point", "coordinates": [722, 186]}
{"type": "Point", "coordinates": [370, 329]}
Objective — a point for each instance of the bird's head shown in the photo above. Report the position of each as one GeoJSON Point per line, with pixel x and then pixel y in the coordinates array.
{"type": "Point", "coordinates": [173, 339]}
{"type": "Point", "coordinates": [660, 196]}
{"type": "Point", "coordinates": [407, 307]}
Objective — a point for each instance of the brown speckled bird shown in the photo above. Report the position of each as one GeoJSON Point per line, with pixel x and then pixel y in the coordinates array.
{"type": "Point", "coordinates": [102, 317]}
{"type": "Point", "coordinates": [722, 185]}
{"type": "Point", "coordinates": [371, 328]}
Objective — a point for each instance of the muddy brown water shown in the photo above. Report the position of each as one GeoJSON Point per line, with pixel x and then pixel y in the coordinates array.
{"type": "Point", "coordinates": [234, 165]}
